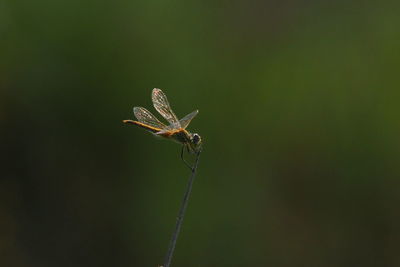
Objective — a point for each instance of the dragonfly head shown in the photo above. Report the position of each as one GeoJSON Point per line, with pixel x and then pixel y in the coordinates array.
{"type": "Point", "coordinates": [195, 142]}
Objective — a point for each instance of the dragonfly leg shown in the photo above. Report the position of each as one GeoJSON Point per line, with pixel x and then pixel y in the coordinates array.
{"type": "Point", "coordinates": [183, 158]}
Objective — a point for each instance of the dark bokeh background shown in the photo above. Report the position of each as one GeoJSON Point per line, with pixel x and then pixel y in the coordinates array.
{"type": "Point", "coordinates": [299, 112]}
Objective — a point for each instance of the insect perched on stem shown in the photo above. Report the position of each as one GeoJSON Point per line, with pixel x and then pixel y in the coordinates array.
{"type": "Point", "coordinates": [176, 130]}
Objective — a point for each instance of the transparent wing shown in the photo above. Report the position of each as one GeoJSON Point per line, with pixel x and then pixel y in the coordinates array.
{"type": "Point", "coordinates": [144, 116]}
{"type": "Point", "coordinates": [187, 119]}
{"type": "Point", "coordinates": [161, 104]}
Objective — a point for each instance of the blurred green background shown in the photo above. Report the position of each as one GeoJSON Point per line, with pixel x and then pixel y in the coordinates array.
{"type": "Point", "coordinates": [299, 108]}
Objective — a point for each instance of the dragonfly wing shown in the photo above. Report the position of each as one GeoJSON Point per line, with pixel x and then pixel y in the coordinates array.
{"type": "Point", "coordinates": [144, 116]}
{"type": "Point", "coordinates": [188, 118]}
{"type": "Point", "coordinates": [161, 104]}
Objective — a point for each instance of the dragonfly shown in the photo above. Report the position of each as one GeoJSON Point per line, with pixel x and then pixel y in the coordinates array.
{"type": "Point", "coordinates": [175, 130]}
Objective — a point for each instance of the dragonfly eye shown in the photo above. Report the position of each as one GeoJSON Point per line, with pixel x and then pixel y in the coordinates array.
{"type": "Point", "coordinates": [196, 139]}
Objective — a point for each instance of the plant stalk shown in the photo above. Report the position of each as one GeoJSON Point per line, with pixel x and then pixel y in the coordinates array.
{"type": "Point", "coordinates": [181, 214]}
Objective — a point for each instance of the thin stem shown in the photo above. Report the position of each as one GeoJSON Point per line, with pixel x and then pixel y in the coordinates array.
{"type": "Point", "coordinates": [181, 214]}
